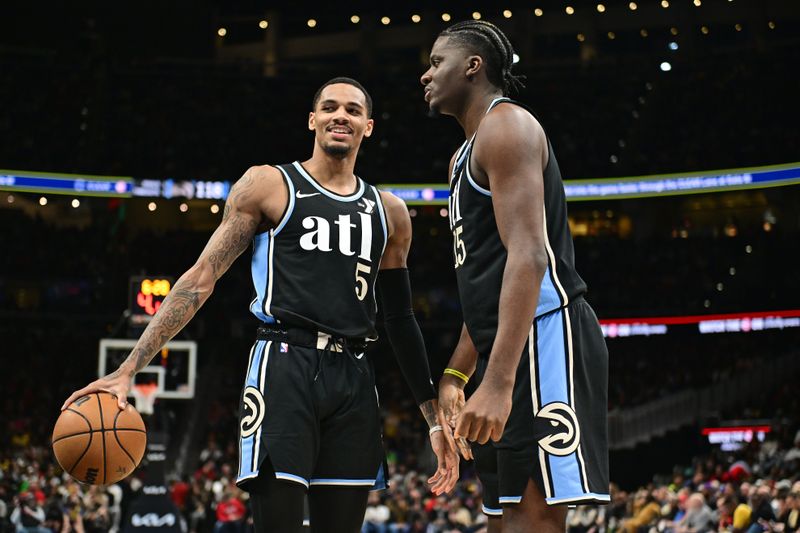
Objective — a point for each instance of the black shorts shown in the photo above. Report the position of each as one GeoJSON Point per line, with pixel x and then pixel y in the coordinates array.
{"type": "Point", "coordinates": [314, 412]}
{"type": "Point", "coordinates": [556, 433]}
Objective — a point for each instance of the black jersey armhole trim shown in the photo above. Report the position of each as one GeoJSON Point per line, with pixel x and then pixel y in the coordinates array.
{"type": "Point", "coordinates": [288, 200]}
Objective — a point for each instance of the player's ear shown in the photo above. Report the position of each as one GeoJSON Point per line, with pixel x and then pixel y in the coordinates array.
{"type": "Point", "coordinates": [370, 125]}
{"type": "Point", "coordinates": [474, 65]}
{"type": "Point", "coordinates": [311, 121]}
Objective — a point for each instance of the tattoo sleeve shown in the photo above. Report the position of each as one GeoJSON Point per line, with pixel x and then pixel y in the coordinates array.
{"type": "Point", "coordinates": [230, 239]}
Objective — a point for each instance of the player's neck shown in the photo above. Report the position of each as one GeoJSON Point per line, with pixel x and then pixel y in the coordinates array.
{"type": "Point", "coordinates": [331, 172]}
{"type": "Point", "coordinates": [474, 110]}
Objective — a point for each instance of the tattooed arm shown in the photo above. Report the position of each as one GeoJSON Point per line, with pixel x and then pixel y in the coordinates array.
{"type": "Point", "coordinates": [255, 202]}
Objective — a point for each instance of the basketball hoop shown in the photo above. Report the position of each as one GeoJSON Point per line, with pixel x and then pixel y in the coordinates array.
{"type": "Point", "coordinates": [145, 395]}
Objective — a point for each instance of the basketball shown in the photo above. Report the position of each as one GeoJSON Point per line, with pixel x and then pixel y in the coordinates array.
{"type": "Point", "coordinates": [97, 443]}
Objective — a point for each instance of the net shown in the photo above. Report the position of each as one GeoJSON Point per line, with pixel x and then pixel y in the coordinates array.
{"type": "Point", "coordinates": [145, 396]}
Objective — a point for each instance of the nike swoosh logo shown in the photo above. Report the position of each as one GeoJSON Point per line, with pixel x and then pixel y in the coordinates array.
{"type": "Point", "coordinates": [359, 356]}
{"type": "Point", "coordinates": [306, 195]}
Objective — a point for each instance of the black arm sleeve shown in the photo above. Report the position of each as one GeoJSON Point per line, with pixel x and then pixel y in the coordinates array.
{"type": "Point", "coordinates": [394, 289]}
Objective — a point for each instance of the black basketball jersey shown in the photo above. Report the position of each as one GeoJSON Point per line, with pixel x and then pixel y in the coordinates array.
{"type": "Point", "coordinates": [317, 268]}
{"type": "Point", "coordinates": [480, 256]}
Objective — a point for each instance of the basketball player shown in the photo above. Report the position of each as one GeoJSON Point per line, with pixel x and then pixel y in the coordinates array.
{"type": "Point", "coordinates": [310, 421]}
{"type": "Point", "coordinates": [537, 419]}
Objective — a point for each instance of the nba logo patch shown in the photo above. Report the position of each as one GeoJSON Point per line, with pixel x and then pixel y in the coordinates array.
{"type": "Point", "coordinates": [284, 347]}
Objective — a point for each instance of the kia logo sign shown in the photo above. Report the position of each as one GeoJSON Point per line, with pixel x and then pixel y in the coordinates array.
{"type": "Point", "coordinates": [153, 520]}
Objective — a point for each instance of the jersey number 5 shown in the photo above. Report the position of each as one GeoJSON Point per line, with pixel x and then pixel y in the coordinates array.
{"type": "Point", "coordinates": [362, 286]}
{"type": "Point", "coordinates": [459, 250]}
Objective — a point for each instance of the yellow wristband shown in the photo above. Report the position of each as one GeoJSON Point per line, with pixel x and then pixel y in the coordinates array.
{"type": "Point", "coordinates": [460, 375]}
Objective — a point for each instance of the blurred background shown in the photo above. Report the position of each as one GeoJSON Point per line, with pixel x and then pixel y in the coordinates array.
{"type": "Point", "coordinates": [122, 130]}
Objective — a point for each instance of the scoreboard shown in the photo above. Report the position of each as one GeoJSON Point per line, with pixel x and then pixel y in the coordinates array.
{"type": "Point", "coordinates": [145, 296]}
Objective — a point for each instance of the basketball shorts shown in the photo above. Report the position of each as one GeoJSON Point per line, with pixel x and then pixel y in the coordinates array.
{"type": "Point", "coordinates": [556, 433]}
{"type": "Point", "coordinates": [310, 405]}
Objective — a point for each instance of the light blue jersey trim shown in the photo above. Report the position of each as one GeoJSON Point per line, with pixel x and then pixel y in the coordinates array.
{"type": "Point", "coordinates": [249, 446]}
{"type": "Point", "coordinates": [344, 482]}
{"type": "Point", "coordinates": [291, 477]}
{"type": "Point", "coordinates": [351, 198]}
{"type": "Point", "coordinates": [468, 153]}
{"type": "Point", "coordinates": [551, 362]}
{"type": "Point", "coordinates": [584, 497]}
{"type": "Point", "coordinates": [491, 512]}
{"type": "Point", "coordinates": [510, 499]}
{"type": "Point", "coordinates": [485, 192]}
{"type": "Point", "coordinates": [549, 298]}
{"type": "Point", "coordinates": [382, 216]}
{"type": "Point", "coordinates": [259, 273]}
{"type": "Point", "coordinates": [290, 209]}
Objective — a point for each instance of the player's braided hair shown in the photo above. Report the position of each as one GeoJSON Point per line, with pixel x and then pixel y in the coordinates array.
{"type": "Point", "coordinates": [488, 41]}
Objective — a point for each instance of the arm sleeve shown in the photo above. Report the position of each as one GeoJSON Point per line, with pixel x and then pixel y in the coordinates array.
{"type": "Point", "coordinates": [394, 289]}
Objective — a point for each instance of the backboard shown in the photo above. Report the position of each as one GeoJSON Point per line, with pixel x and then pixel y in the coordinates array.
{"type": "Point", "coordinates": [173, 369]}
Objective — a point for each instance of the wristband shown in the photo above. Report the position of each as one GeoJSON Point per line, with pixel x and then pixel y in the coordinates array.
{"type": "Point", "coordinates": [434, 429]}
{"type": "Point", "coordinates": [460, 375]}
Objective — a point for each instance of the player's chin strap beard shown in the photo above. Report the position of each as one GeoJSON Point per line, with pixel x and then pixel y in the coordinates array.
{"type": "Point", "coordinates": [337, 345]}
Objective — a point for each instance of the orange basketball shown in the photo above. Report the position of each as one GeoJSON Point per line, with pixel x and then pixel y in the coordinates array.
{"type": "Point", "coordinates": [97, 443]}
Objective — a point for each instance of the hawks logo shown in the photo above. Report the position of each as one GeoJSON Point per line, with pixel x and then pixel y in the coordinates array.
{"type": "Point", "coordinates": [254, 403]}
{"type": "Point", "coordinates": [563, 434]}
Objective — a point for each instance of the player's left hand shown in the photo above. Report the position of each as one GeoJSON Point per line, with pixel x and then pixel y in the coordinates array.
{"type": "Point", "coordinates": [444, 446]}
{"type": "Point", "coordinates": [484, 415]}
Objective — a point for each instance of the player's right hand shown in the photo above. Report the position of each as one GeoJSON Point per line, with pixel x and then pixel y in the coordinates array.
{"type": "Point", "coordinates": [118, 383]}
{"type": "Point", "coordinates": [451, 402]}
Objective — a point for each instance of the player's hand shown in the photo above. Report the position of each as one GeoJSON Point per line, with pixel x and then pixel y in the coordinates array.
{"type": "Point", "coordinates": [485, 414]}
{"type": "Point", "coordinates": [118, 383]}
{"type": "Point", "coordinates": [451, 402]}
{"type": "Point", "coordinates": [444, 447]}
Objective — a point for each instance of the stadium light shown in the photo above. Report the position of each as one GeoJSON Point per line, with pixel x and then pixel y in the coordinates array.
{"type": "Point", "coordinates": [415, 18]}
{"type": "Point", "coordinates": [738, 27]}
{"type": "Point", "coordinates": [612, 35]}
{"type": "Point", "coordinates": [385, 21]}
{"type": "Point", "coordinates": [222, 32]}
{"type": "Point", "coordinates": [673, 30]}
{"type": "Point", "coordinates": [570, 10]}
{"type": "Point", "coordinates": [10, 198]}
{"type": "Point", "coordinates": [355, 19]}
{"type": "Point", "coordinates": [538, 12]}
{"type": "Point", "coordinates": [704, 30]}
{"type": "Point", "coordinates": [515, 59]}
{"type": "Point", "coordinates": [771, 25]}
{"type": "Point", "coordinates": [581, 37]}
{"type": "Point", "coordinates": [446, 17]}
{"type": "Point", "coordinates": [76, 203]}
{"type": "Point", "coordinates": [665, 4]}
{"type": "Point", "coordinates": [673, 46]}
{"type": "Point", "coordinates": [214, 208]}
{"type": "Point", "coordinates": [643, 32]}
{"type": "Point", "coordinates": [601, 8]}
{"type": "Point", "coordinates": [633, 6]}
{"type": "Point", "coordinates": [263, 24]}
{"type": "Point", "coordinates": [152, 206]}
{"type": "Point", "coordinates": [697, 3]}
{"type": "Point", "coordinates": [507, 13]}
{"type": "Point", "coordinates": [184, 208]}
{"type": "Point", "coordinates": [665, 66]}
{"type": "Point", "coordinates": [43, 201]}
{"type": "Point", "coordinates": [311, 23]}
{"type": "Point", "coordinates": [476, 15]}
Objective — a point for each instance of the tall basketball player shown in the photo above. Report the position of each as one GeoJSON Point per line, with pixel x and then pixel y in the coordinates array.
{"type": "Point", "coordinates": [310, 420]}
{"type": "Point", "coordinates": [537, 419]}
